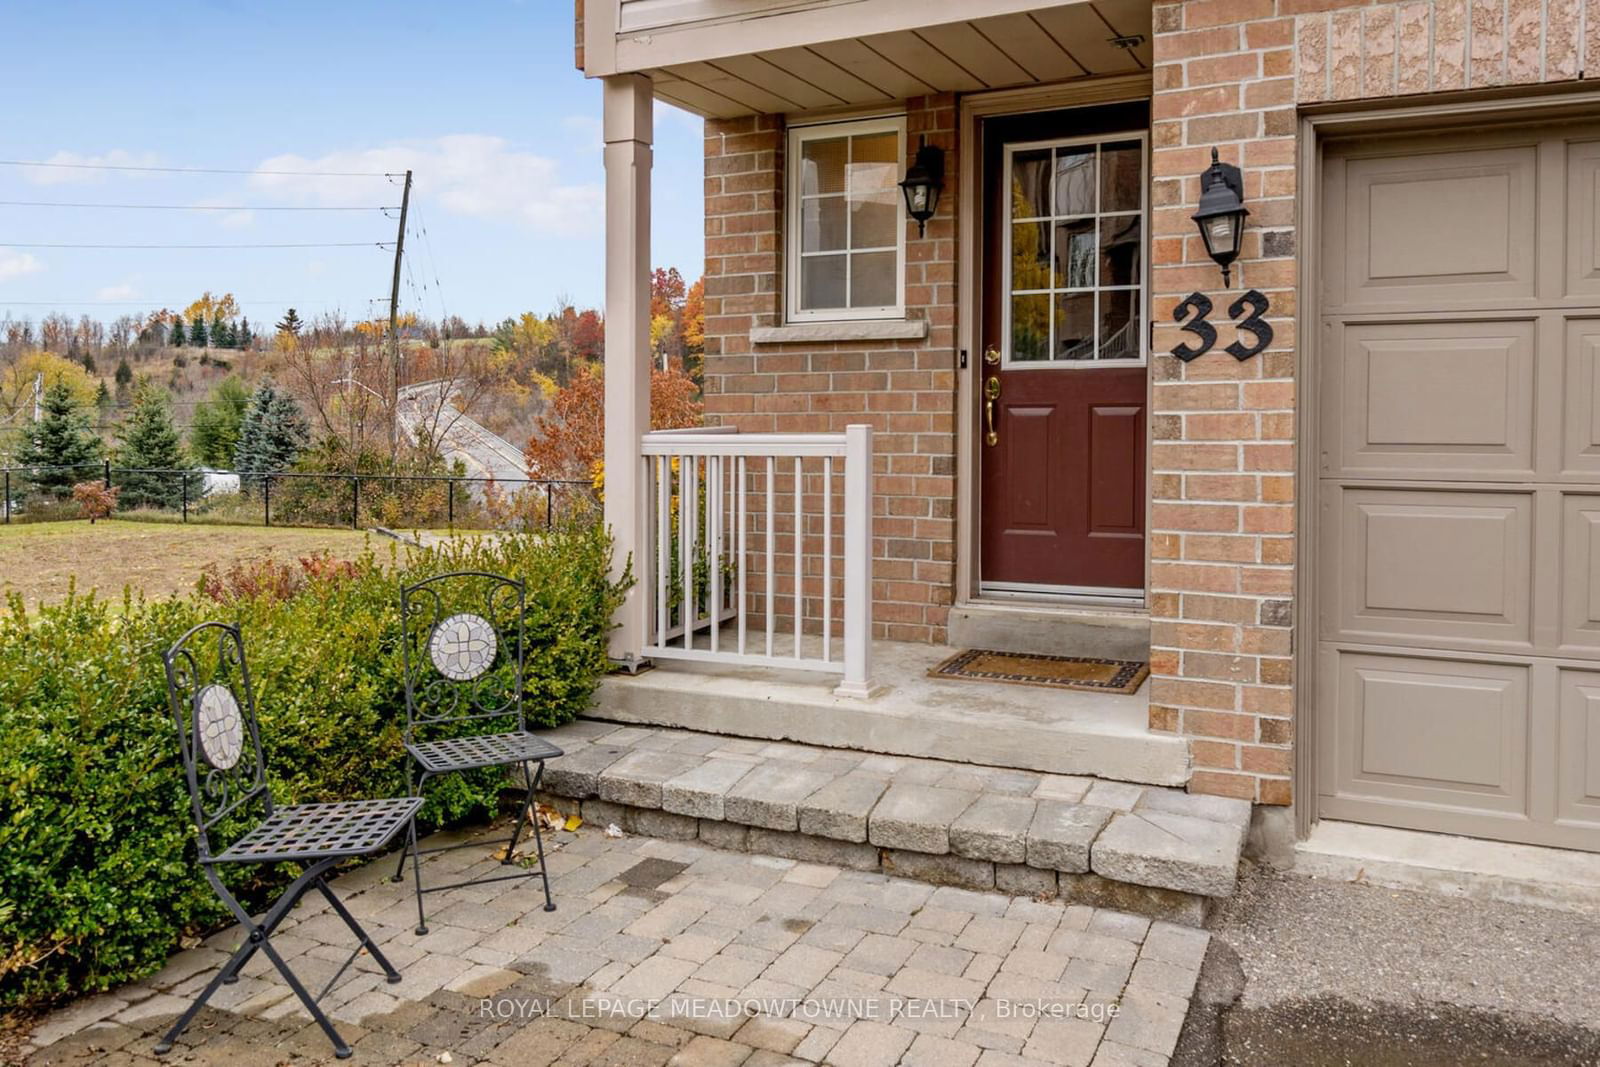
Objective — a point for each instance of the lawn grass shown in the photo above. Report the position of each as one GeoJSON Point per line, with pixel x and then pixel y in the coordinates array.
{"type": "Point", "coordinates": [39, 560]}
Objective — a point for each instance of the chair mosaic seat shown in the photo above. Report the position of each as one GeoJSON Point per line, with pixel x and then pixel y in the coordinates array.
{"type": "Point", "coordinates": [347, 828]}
{"type": "Point", "coordinates": [484, 750]}
{"type": "Point", "coordinates": [462, 645]}
{"type": "Point", "coordinates": [219, 739]}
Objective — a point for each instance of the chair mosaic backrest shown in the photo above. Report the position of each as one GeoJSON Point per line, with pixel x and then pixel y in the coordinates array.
{"type": "Point", "coordinates": [463, 649]}
{"type": "Point", "coordinates": [213, 708]}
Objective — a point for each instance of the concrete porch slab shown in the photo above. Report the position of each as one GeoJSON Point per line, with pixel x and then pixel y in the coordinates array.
{"type": "Point", "coordinates": [989, 723]}
{"type": "Point", "coordinates": [935, 820]}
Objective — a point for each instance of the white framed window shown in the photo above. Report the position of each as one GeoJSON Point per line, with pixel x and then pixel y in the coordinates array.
{"type": "Point", "coordinates": [1076, 283]}
{"type": "Point", "coordinates": [846, 221]}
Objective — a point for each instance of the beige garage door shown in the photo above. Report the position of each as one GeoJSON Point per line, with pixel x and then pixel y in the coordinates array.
{"type": "Point", "coordinates": [1458, 586]}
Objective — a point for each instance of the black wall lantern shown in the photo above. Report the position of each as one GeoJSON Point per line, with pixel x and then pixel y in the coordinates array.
{"type": "Point", "coordinates": [1221, 213]}
{"type": "Point", "coordinates": [922, 184]}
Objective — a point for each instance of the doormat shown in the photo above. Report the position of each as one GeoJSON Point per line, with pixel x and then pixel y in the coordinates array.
{"type": "Point", "coordinates": [1122, 676]}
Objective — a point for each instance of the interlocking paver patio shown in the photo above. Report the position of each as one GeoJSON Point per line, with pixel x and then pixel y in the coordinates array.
{"type": "Point", "coordinates": [664, 952]}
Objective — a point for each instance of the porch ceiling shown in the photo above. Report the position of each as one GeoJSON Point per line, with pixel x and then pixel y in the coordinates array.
{"type": "Point", "coordinates": [1047, 44]}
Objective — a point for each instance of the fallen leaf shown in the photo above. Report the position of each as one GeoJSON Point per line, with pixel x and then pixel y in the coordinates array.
{"type": "Point", "coordinates": [572, 823]}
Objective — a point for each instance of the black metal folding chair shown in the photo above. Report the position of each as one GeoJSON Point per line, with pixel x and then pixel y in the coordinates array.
{"type": "Point", "coordinates": [463, 649]}
{"type": "Point", "coordinates": [213, 707]}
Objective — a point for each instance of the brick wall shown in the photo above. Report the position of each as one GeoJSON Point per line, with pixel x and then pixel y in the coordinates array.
{"type": "Point", "coordinates": [904, 389]}
{"type": "Point", "coordinates": [1229, 74]}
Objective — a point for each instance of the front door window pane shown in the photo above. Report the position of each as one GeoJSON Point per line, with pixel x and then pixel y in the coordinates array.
{"type": "Point", "coordinates": [1030, 255]}
{"type": "Point", "coordinates": [1120, 247]}
{"type": "Point", "coordinates": [1030, 185]}
{"type": "Point", "coordinates": [1075, 254]}
{"type": "Point", "coordinates": [1074, 326]}
{"type": "Point", "coordinates": [1119, 324]}
{"type": "Point", "coordinates": [1075, 181]}
{"type": "Point", "coordinates": [1121, 176]}
{"type": "Point", "coordinates": [1075, 260]}
{"type": "Point", "coordinates": [1030, 327]}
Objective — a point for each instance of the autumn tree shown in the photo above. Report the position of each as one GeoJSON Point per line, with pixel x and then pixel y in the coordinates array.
{"type": "Point", "coordinates": [568, 442]}
{"type": "Point", "coordinates": [213, 308]}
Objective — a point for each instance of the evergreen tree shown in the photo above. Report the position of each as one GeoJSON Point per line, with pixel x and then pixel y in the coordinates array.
{"type": "Point", "coordinates": [271, 434]}
{"type": "Point", "coordinates": [176, 338]}
{"type": "Point", "coordinates": [102, 401]}
{"type": "Point", "coordinates": [244, 336]}
{"type": "Point", "coordinates": [197, 330]}
{"type": "Point", "coordinates": [221, 335]}
{"type": "Point", "coordinates": [214, 431]}
{"type": "Point", "coordinates": [150, 443]}
{"type": "Point", "coordinates": [62, 438]}
{"type": "Point", "coordinates": [290, 323]}
{"type": "Point", "coordinates": [124, 375]}
{"type": "Point", "coordinates": [87, 359]}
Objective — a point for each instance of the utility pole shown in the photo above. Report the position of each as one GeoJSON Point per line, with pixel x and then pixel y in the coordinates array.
{"type": "Point", "coordinates": [394, 327]}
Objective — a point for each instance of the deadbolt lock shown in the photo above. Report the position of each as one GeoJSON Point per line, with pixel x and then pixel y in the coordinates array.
{"type": "Point", "coordinates": [991, 355]}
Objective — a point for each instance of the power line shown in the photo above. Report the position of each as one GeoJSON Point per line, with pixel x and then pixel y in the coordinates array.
{"type": "Point", "coordinates": [147, 303]}
{"type": "Point", "coordinates": [333, 244]}
{"type": "Point", "coordinates": [200, 170]}
{"type": "Point", "coordinates": [194, 207]}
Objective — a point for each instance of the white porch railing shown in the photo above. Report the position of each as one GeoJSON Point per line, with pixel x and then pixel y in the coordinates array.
{"type": "Point", "coordinates": [716, 549]}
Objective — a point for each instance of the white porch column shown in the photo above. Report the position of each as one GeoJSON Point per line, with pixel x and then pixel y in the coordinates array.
{"type": "Point", "coordinates": [629, 123]}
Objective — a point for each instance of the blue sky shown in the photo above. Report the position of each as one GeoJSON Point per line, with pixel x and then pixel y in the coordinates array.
{"type": "Point", "coordinates": [479, 98]}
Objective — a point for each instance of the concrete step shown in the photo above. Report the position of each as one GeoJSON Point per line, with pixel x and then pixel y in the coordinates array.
{"type": "Point", "coordinates": [1054, 731]}
{"type": "Point", "coordinates": [1051, 630]}
{"type": "Point", "coordinates": [1156, 851]}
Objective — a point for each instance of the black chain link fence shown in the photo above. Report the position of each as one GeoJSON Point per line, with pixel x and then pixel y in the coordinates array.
{"type": "Point", "coordinates": [299, 498]}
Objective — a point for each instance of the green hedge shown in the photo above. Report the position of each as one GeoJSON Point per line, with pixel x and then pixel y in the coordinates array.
{"type": "Point", "coordinates": [98, 878]}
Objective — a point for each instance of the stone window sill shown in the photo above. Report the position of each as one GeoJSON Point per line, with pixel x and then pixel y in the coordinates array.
{"type": "Point", "coordinates": [859, 330]}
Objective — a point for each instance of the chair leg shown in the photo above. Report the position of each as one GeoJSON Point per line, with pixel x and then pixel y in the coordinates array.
{"type": "Point", "coordinates": [410, 846]}
{"type": "Point", "coordinates": [538, 838]}
{"type": "Point", "coordinates": [259, 937]}
{"type": "Point", "coordinates": [340, 1049]}
{"type": "Point", "coordinates": [416, 865]}
{"type": "Point", "coordinates": [367, 943]}
{"type": "Point", "coordinates": [523, 818]}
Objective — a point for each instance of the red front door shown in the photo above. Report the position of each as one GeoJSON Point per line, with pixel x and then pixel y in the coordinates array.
{"type": "Point", "coordinates": [1062, 378]}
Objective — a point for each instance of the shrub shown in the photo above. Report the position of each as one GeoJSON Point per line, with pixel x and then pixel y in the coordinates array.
{"type": "Point", "coordinates": [94, 500]}
{"type": "Point", "coordinates": [98, 875]}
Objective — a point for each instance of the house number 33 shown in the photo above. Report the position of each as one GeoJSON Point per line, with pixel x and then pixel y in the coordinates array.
{"type": "Point", "coordinates": [1199, 305]}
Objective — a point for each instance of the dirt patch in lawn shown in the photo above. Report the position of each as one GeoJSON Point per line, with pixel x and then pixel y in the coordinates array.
{"type": "Point", "coordinates": [40, 560]}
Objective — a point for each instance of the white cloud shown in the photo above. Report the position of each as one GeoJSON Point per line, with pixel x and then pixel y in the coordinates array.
{"type": "Point", "coordinates": [465, 174]}
{"type": "Point", "coordinates": [121, 291]}
{"type": "Point", "coordinates": [78, 169]}
{"type": "Point", "coordinates": [16, 264]}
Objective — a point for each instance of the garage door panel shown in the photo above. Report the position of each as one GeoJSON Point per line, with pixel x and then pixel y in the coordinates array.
{"type": "Point", "coordinates": [1404, 240]}
{"type": "Point", "coordinates": [1432, 731]}
{"type": "Point", "coordinates": [1400, 559]}
{"type": "Point", "coordinates": [1419, 399]}
{"type": "Point", "coordinates": [1580, 435]}
{"type": "Point", "coordinates": [1578, 780]}
{"type": "Point", "coordinates": [1579, 585]}
{"type": "Point", "coordinates": [1583, 219]}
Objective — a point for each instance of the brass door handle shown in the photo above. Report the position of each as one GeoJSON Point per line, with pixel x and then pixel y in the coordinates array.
{"type": "Point", "coordinates": [991, 355]}
{"type": "Point", "coordinates": [991, 393]}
